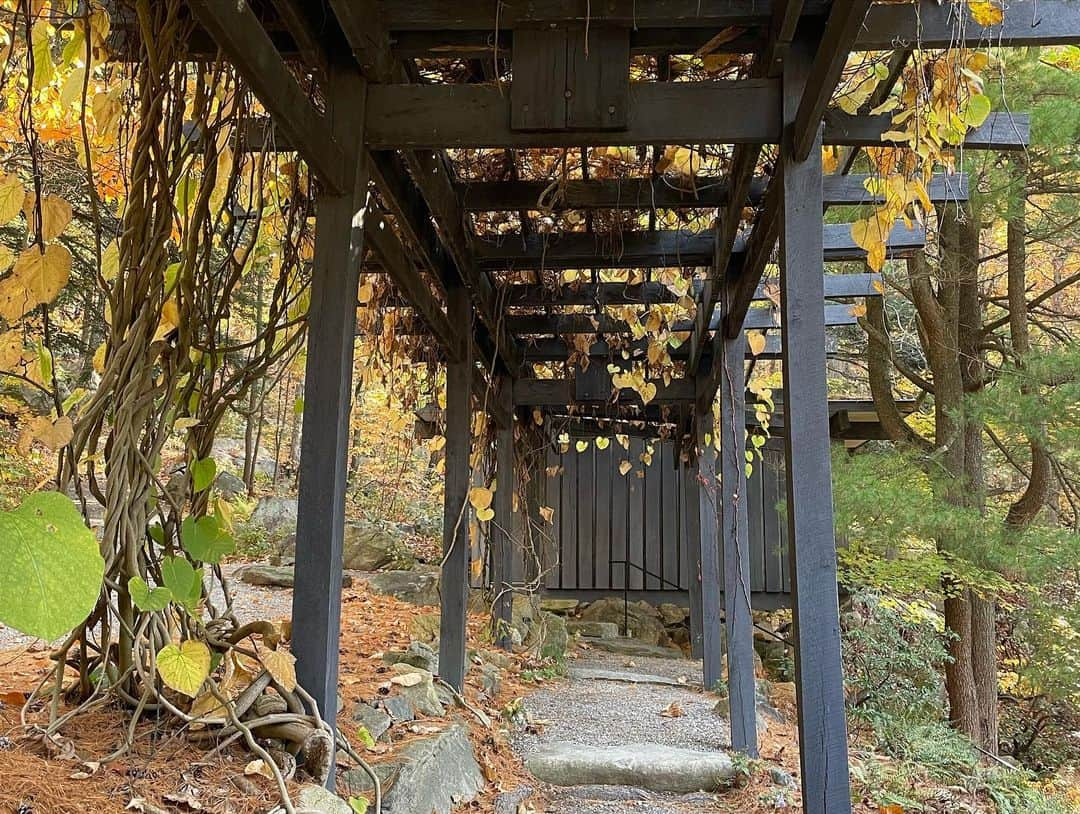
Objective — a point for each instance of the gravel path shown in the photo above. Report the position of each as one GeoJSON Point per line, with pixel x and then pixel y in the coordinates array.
{"type": "Point", "coordinates": [599, 712]}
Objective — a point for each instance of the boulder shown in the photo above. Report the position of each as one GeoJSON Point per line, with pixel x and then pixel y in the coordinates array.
{"type": "Point", "coordinates": [417, 587]}
{"type": "Point", "coordinates": [275, 515]}
{"type": "Point", "coordinates": [638, 620]}
{"type": "Point", "coordinates": [549, 636]}
{"type": "Point", "coordinates": [597, 630]}
{"type": "Point", "coordinates": [399, 708]}
{"type": "Point", "coordinates": [228, 485]}
{"type": "Point", "coordinates": [563, 607]}
{"type": "Point", "coordinates": [314, 798]}
{"type": "Point", "coordinates": [424, 627]}
{"type": "Point", "coordinates": [357, 781]}
{"type": "Point", "coordinates": [373, 547]}
{"type": "Point", "coordinates": [273, 576]}
{"type": "Point", "coordinates": [418, 654]}
{"type": "Point", "coordinates": [643, 765]}
{"type": "Point", "coordinates": [672, 614]}
{"type": "Point", "coordinates": [632, 647]}
{"type": "Point", "coordinates": [375, 721]}
{"type": "Point", "coordinates": [418, 686]}
{"type": "Point", "coordinates": [436, 775]}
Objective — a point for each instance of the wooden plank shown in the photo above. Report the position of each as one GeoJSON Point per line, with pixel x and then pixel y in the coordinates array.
{"type": "Point", "coordinates": [668, 507]}
{"type": "Point", "coordinates": [703, 192]}
{"type": "Point", "coordinates": [833, 47]}
{"type": "Point", "coordinates": [755, 512]}
{"type": "Point", "coordinates": [708, 541]}
{"type": "Point", "coordinates": [501, 527]}
{"type": "Point", "coordinates": [597, 77]}
{"type": "Point", "coordinates": [1001, 131]}
{"type": "Point", "coordinates": [651, 510]}
{"type": "Point", "coordinates": [585, 503]}
{"type": "Point", "coordinates": [324, 444]}
{"type": "Point", "coordinates": [465, 15]}
{"type": "Point", "coordinates": [460, 116]}
{"type": "Point", "coordinates": [553, 542]}
{"type": "Point", "coordinates": [738, 621]}
{"type": "Point", "coordinates": [620, 514]}
{"type": "Point", "coordinates": [536, 96]}
{"type": "Point", "coordinates": [569, 543]}
{"type": "Point", "coordinates": [606, 476]}
{"type": "Point", "coordinates": [773, 548]}
{"type": "Point", "coordinates": [455, 568]}
{"type": "Point", "coordinates": [692, 524]}
{"type": "Point", "coordinates": [684, 550]}
{"type": "Point", "coordinates": [559, 392]}
{"type": "Point", "coordinates": [365, 30]}
{"type": "Point", "coordinates": [932, 25]}
{"type": "Point", "coordinates": [636, 500]}
{"type": "Point", "coordinates": [819, 674]}
{"type": "Point", "coordinates": [555, 349]}
{"type": "Point", "coordinates": [242, 38]}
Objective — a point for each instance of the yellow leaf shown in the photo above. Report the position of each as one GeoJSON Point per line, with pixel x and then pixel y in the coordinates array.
{"type": "Point", "coordinates": [281, 664]}
{"type": "Point", "coordinates": [476, 567]}
{"type": "Point", "coordinates": [829, 160]}
{"type": "Point", "coordinates": [259, 766]}
{"type": "Point", "coordinates": [110, 261]}
{"type": "Point", "coordinates": [581, 446]}
{"type": "Point", "coordinates": [547, 513]}
{"type": "Point", "coordinates": [35, 280]}
{"type": "Point", "coordinates": [170, 313]}
{"type": "Point", "coordinates": [480, 497]}
{"type": "Point", "coordinates": [185, 666]}
{"type": "Point", "coordinates": [879, 286]}
{"type": "Point", "coordinates": [365, 293]}
{"type": "Point", "coordinates": [602, 442]}
{"type": "Point", "coordinates": [647, 392]}
{"type": "Point", "coordinates": [625, 467]}
{"type": "Point", "coordinates": [55, 216]}
{"type": "Point", "coordinates": [12, 196]}
{"type": "Point", "coordinates": [484, 515]}
{"type": "Point", "coordinates": [99, 359]}
{"type": "Point", "coordinates": [858, 310]}
{"type": "Point", "coordinates": [44, 68]}
{"type": "Point", "coordinates": [73, 87]}
{"type": "Point", "coordinates": [756, 341]}
{"type": "Point", "coordinates": [985, 12]}
{"type": "Point", "coordinates": [538, 417]}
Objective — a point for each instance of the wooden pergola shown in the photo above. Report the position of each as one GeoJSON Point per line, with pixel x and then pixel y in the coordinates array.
{"type": "Point", "coordinates": [556, 74]}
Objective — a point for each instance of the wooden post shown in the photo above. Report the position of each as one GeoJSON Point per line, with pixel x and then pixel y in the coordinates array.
{"type": "Point", "coordinates": [738, 619]}
{"type": "Point", "coordinates": [693, 553]}
{"type": "Point", "coordinates": [320, 521]}
{"type": "Point", "coordinates": [502, 528]}
{"type": "Point", "coordinates": [454, 586]}
{"type": "Point", "coordinates": [818, 671]}
{"type": "Point", "coordinates": [708, 545]}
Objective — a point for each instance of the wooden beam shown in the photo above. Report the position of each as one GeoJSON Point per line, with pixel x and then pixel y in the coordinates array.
{"type": "Point", "coordinates": [1001, 131]}
{"type": "Point", "coordinates": [478, 15]}
{"type": "Point", "coordinates": [738, 619]}
{"type": "Point", "coordinates": [435, 116]}
{"type": "Point", "coordinates": [690, 509]}
{"type": "Point", "coordinates": [819, 676]}
{"type": "Point", "coordinates": [532, 295]}
{"type": "Point", "coordinates": [557, 350]}
{"type": "Point", "coordinates": [660, 249]}
{"type": "Point", "coordinates": [501, 529]}
{"type": "Point", "coordinates": [929, 24]}
{"type": "Point", "coordinates": [560, 392]}
{"type": "Point", "coordinates": [709, 545]}
{"type": "Point", "coordinates": [368, 37]}
{"type": "Point", "coordinates": [454, 584]}
{"type": "Point", "coordinates": [246, 44]}
{"type": "Point", "coordinates": [852, 190]}
{"type": "Point", "coordinates": [324, 444]}
{"type": "Point", "coordinates": [835, 43]}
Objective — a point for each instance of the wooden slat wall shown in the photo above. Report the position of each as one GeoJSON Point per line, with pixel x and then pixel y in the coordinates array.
{"type": "Point", "coordinates": [603, 517]}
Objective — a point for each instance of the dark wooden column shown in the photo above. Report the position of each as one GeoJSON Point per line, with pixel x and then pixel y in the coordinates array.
{"type": "Point", "coordinates": [454, 586]}
{"type": "Point", "coordinates": [693, 553]}
{"type": "Point", "coordinates": [709, 546]}
{"type": "Point", "coordinates": [502, 527]}
{"type": "Point", "coordinates": [324, 443]}
{"type": "Point", "coordinates": [738, 620]}
{"type": "Point", "coordinates": [818, 672]}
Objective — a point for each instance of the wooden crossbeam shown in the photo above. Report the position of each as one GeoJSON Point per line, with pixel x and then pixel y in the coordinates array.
{"type": "Point", "coordinates": [543, 350]}
{"type": "Point", "coordinates": [936, 25]}
{"type": "Point", "coordinates": [1001, 131]}
{"type": "Point", "coordinates": [559, 324]}
{"type": "Point", "coordinates": [661, 249]}
{"type": "Point", "coordinates": [410, 116]}
{"type": "Point", "coordinates": [241, 36]}
{"type": "Point", "coordinates": [531, 295]}
{"type": "Point", "coordinates": [560, 392]}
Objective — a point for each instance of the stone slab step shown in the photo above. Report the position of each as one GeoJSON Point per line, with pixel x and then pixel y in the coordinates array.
{"type": "Point", "coordinates": [625, 677]}
{"type": "Point", "coordinates": [632, 647]}
{"type": "Point", "coordinates": [642, 765]}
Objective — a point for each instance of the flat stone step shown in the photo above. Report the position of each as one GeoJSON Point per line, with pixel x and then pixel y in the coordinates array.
{"type": "Point", "coordinates": [595, 674]}
{"type": "Point", "coordinates": [633, 647]}
{"type": "Point", "coordinates": [641, 765]}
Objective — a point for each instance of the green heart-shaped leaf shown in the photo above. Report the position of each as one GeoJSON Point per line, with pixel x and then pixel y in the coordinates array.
{"type": "Point", "coordinates": [183, 580]}
{"type": "Point", "coordinates": [145, 599]}
{"type": "Point", "coordinates": [202, 474]}
{"type": "Point", "coordinates": [206, 539]}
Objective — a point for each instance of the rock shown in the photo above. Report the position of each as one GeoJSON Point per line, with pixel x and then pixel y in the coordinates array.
{"type": "Point", "coordinates": [317, 799]}
{"type": "Point", "coordinates": [672, 614]}
{"type": "Point", "coordinates": [417, 587]}
{"type": "Point", "coordinates": [276, 515]}
{"type": "Point", "coordinates": [273, 576]}
{"type": "Point", "coordinates": [780, 777]}
{"type": "Point", "coordinates": [399, 708]}
{"type": "Point", "coordinates": [490, 680]}
{"type": "Point", "coordinates": [508, 802]}
{"type": "Point", "coordinates": [639, 620]}
{"type": "Point", "coordinates": [424, 627]}
{"type": "Point", "coordinates": [375, 721]}
{"type": "Point", "coordinates": [563, 607]}
{"type": "Point", "coordinates": [643, 765]}
{"type": "Point", "coordinates": [437, 774]}
{"type": "Point", "coordinates": [356, 781]}
{"type": "Point", "coordinates": [421, 694]}
{"type": "Point", "coordinates": [597, 630]}
{"type": "Point", "coordinates": [591, 674]}
{"type": "Point", "coordinates": [228, 486]}
{"type": "Point", "coordinates": [549, 636]}
{"type": "Point", "coordinates": [496, 657]}
{"type": "Point", "coordinates": [371, 547]}
{"type": "Point", "coordinates": [631, 647]}
{"type": "Point", "coordinates": [418, 654]}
